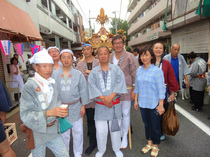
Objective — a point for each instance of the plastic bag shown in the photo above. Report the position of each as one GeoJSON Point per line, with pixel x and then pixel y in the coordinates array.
{"type": "Point", "coordinates": [170, 122]}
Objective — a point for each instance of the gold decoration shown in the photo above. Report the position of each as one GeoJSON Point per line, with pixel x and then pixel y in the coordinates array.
{"type": "Point", "coordinates": [85, 38]}
{"type": "Point", "coordinates": [102, 18]}
{"type": "Point", "coordinates": [122, 32]}
{"type": "Point", "coordinates": [103, 37]}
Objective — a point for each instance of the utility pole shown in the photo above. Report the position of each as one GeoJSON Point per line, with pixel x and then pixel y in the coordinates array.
{"type": "Point", "coordinates": [114, 12]}
{"type": "Point", "coordinates": [90, 25]}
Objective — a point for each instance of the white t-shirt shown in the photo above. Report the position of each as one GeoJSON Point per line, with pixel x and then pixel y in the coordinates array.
{"type": "Point", "coordinates": [115, 60]}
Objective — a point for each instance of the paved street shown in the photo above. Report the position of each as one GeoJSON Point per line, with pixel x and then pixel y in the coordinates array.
{"type": "Point", "coordinates": [190, 141]}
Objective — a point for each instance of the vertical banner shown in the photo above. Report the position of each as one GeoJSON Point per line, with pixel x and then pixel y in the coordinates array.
{"type": "Point", "coordinates": [19, 49]}
{"type": "Point", "coordinates": [35, 49]}
{"type": "Point", "coordinates": [5, 47]}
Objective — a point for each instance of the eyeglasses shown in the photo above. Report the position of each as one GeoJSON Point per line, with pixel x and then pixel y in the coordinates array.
{"type": "Point", "coordinates": [120, 43]}
{"type": "Point", "coordinates": [56, 51]}
{"type": "Point", "coordinates": [44, 67]}
{"type": "Point", "coordinates": [66, 57]}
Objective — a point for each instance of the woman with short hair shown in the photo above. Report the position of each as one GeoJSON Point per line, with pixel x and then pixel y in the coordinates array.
{"type": "Point", "coordinates": [149, 96]}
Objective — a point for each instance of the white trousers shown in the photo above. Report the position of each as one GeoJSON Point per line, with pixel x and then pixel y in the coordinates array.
{"type": "Point", "coordinates": [101, 136]}
{"type": "Point", "coordinates": [126, 109]}
{"type": "Point", "coordinates": [77, 133]}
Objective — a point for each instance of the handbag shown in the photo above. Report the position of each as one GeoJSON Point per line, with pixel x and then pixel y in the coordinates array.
{"type": "Point", "coordinates": [170, 122]}
{"type": "Point", "coordinates": [115, 126]}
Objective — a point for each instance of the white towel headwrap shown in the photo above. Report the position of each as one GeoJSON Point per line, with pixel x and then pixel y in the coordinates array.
{"type": "Point", "coordinates": [41, 57]}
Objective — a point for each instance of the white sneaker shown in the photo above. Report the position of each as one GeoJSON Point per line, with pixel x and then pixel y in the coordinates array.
{"type": "Point", "coordinates": [118, 153]}
{"type": "Point", "coordinates": [99, 154]}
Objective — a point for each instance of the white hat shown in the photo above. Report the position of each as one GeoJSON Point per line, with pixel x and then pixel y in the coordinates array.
{"type": "Point", "coordinates": [41, 57]}
{"type": "Point", "coordinates": [67, 50]}
{"type": "Point", "coordinates": [52, 47]}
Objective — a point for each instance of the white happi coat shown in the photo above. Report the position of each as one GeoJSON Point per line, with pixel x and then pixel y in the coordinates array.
{"type": "Point", "coordinates": [33, 109]}
{"type": "Point", "coordinates": [96, 86]}
{"type": "Point", "coordinates": [72, 89]}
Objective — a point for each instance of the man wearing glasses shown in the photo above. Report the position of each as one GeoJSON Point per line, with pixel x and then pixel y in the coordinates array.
{"type": "Point", "coordinates": [128, 64]}
{"type": "Point", "coordinates": [39, 107]}
{"type": "Point", "coordinates": [54, 52]}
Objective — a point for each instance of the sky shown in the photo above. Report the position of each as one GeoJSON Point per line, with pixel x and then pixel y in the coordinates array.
{"type": "Point", "coordinates": [95, 5]}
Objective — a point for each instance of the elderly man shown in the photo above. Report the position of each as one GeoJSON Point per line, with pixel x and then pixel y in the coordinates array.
{"type": "Point", "coordinates": [39, 107]}
{"type": "Point", "coordinates": [128, 64]}
{"type": "Point", "coordinates": [197, 80]}
{"type": "Point", "coordinates": [105, 84]}
{"type": "Point", "coordinates": [73, 91]}
{"type": "Point", "coordinates": [54, 52]}
{"type": "Point", "coordinates": [85, 66]}
{"type": "Point", "coordinates": [179, 65]}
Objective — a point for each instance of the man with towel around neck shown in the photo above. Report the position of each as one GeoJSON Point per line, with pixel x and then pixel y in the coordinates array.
{"type": "Point", "coordinates": [106, 83]}
{"type": "Point", "coordinates": [39, 107]}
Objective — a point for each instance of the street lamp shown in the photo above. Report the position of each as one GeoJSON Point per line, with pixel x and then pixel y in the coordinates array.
{"type": "Point", "coordinates": [114, 12]}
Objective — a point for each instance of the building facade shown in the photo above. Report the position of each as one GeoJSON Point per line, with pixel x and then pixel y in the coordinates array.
{"type": "Point", "coordinates": [146, 21]}
{"type": "Point", "coordinates": [190, 30]}
{"type": "Point", "coordinates": [59, 23]}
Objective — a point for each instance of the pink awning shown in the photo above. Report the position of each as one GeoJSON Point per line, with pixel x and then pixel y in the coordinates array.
{"type": "Point", "coordinates": [17, 23]}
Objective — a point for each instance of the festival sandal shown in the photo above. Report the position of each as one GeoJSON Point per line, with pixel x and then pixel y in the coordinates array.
{"type": "Point", "coordinates": [145, 150]}
{"type": "Point", "coordinates": [154, 154]}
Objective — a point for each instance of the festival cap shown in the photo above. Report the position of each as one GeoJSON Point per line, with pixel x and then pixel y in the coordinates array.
{"type": "Point", "coordinates": [67, 50]}
{"type": "Point", "coordinates": [84, 44]}
{"type": "Point", "coordinates": [41, 57]}
{"type": "Point", "coordinates": [52, 47]}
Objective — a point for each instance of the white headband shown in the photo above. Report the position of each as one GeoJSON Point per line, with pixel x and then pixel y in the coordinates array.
{"type": "Point", "coordinates": [52, 47]}
{"type": "Point", "coordinates": [41, 57]}
{"type": "Point", "coordinates": [67, 50]}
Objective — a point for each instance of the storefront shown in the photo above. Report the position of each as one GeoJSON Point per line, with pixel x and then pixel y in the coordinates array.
{"type": "Point", "coordinates": [193, 37]}
{"type": "Point", "coordinates": [17, 26]}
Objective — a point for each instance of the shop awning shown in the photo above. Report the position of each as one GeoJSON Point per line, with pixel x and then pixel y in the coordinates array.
{"type": "Point", "coordinates": [204, 8]}
{"type": "Point", "coordinates": [17, 23]}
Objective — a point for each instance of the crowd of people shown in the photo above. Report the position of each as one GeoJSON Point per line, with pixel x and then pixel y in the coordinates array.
{"type": "Point", "coordinates": [103, 89]}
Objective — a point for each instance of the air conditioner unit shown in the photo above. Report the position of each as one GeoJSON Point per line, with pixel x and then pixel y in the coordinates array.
{"type": "Point", "coordinates": [161, 23]}
{"type": "Point", "coordinates": [148, 30]}
{"type": "Point", "coordinates": [139, 34]}
{"type": "Point", "coordinates": [133, 37]}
